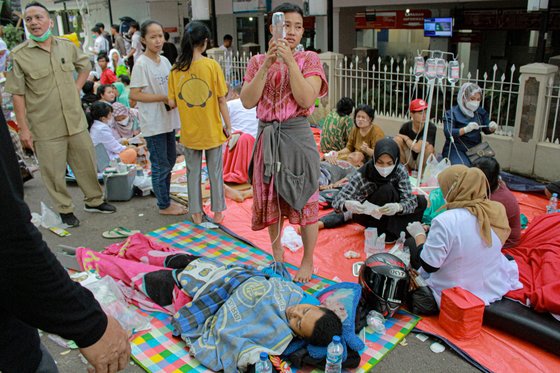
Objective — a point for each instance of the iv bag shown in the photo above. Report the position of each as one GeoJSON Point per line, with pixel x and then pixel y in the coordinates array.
{"type": "Point", "coordinates": [419, 66]}
{"type": "Point", "coordinates": [453, 72]}
{"type": "Point", "coordinates": [431, 72]}
{"type": "Point", "coordinates": [441, 68]}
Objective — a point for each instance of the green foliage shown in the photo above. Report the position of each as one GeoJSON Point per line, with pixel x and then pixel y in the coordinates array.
{"type": "Point", "coordinates": [12, 35]}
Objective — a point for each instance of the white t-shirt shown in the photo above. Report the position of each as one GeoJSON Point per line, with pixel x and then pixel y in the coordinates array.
{"type": "Point", "coordinates": [242, 119]}
{"type": "Point", "coordinates": [101, 44]}
{"type": "Point", "coordinates": [101, 134]}
{"type": "Point", "coordinates": [152, 77]}
{"type": "Point", "coordinates": [137, 45]}
{"type": "Point", "coordinates": [455, 246]}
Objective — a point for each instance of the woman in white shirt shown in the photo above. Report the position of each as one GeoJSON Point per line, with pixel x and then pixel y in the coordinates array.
{"type": "Point", "coordinates": [101, 133]}
{"type": "Point", "coordinates": [464, 245]}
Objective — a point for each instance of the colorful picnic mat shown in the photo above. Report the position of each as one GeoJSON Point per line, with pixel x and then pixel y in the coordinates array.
{"type": "Point", "coordinates": [158, 351]}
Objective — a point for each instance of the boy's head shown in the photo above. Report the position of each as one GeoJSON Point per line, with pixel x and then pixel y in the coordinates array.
{"type": "Point", "coordinates": [103, 61]}
{"type": "Point", "coordinates": [101, 111]}
{"type": "Point", "coordinates": [356, 159]}
{"type": "Point", "coordinates": [491, 169]}
{"type": "Point", "coordinates": [96, 30]}
{"type": "Point", "coordinates": [316, 325]}
{"type": "Point", "coordinates": [101, 26]}
{"type": "Point", "coordinates": [345, 106]}
{"type": "Point", "coordinates": [125, 79]}
{"type": "Point", "coordinates": [228, 40]}
{"type": "Point", "coordinates": [133, 27]}
{"type": "Point", "coordinates": [166, 35]}
{"type": "Point", "coordinates": [115, 29]}
{"type": "Point", "coordinates": [88, 87]}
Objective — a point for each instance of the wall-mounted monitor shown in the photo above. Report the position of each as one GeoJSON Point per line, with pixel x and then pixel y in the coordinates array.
{"type": "Point", "coordinates": [438, 27]}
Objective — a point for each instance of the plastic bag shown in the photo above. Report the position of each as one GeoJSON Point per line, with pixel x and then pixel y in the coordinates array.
{"type": "Point", "coordinates": [291, 239]}
{"type": "Point", "coordinates": [109, 295]}
{"type": "Point", "coordinates": [433, 169]}
{"type": "Point", "coordinates": [49, 218]}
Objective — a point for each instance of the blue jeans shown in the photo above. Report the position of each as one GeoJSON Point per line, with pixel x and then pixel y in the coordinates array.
{"type": "Point", "coordinates": [163, 154]}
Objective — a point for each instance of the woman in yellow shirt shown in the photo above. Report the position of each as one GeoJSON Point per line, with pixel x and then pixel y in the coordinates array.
{"type": "Point", "coordinates": [197, 87]}
{"type": "Point", "coordinates": [363, 136]}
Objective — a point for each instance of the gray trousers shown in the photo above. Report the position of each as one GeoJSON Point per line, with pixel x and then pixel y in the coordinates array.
{"type": "Point", "coordinates": [214, 163]}
{"type": "Point", "coordinates": [47, 364]}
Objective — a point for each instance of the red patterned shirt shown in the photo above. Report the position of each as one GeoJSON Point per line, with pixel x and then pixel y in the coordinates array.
{"type": "Point", "coordinates": [277, 101]}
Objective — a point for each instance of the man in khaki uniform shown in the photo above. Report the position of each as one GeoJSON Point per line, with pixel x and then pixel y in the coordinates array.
{"type": "Point", "coordinates": [49, 112]}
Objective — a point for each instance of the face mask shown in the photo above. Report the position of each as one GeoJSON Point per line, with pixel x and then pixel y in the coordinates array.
{"type": "Point", "coordinates": [472, 105]}
{"type": "Point", "coordinates": [41, 38]}
{"type": "Point", "coordinates": [124, 122]}
{"type": "Point", "coordinates": [384, 171]}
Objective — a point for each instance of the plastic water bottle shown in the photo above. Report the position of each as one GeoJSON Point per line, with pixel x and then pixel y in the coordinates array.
{"type": "Point", "coordinates": [399, 245]}
{"type": "Point", "coordinates": [264, 365]}
{"type": "Point", "coordinates": [334, 356]}
{"type": "Point", "coordinates": [376, 322]}
{"type": "Point", "coordinates": [552, 206]}
{"type": "Point", "coordinates": [370, 235]}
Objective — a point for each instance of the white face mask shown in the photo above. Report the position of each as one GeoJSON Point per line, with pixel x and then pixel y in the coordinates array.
{"type": "Point", "coordinates": [472, 105]}
{"type": "Point", "coordinates": [124, 122]}
{"type": "Point", "coordinates": [384, 171]}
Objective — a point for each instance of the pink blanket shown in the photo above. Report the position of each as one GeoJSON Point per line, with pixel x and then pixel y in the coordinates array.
{"type": "Point", "coordinates": [236, 161]}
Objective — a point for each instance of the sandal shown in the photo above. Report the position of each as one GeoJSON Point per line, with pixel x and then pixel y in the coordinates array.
{"type": "Point", "coordinates": [119, 232]}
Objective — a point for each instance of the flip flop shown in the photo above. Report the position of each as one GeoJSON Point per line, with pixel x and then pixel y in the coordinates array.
{"type": "Point", "coordinates": [119, 232]}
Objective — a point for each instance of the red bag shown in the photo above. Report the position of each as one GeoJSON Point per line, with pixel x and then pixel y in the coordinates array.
{"type": "Point", "coordinates": [461, 313]}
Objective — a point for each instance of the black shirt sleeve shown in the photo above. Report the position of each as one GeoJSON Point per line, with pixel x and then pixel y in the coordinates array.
{"type": "Point", "coordinates": [34, 287]}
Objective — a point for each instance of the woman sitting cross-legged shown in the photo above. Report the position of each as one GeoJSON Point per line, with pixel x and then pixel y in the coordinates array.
{"type": "Point", "coordinates": [464, 246]}
{"type": "Point", "coordinates": [384, 182]}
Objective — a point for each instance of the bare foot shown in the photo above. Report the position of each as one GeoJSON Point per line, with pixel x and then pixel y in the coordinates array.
{"type": "Point", "coordinates": [173, 210]}
{"type": "Point", "coordinates": [197, 218]}
{"type": "Point", "coordinates": [247, 193]}
{"type": "Point", "coordinates": [305, 271]}
{"type": "Point", "coordinates": [218, 217]}
{"type": "Point", "coordinates": [233, 194]}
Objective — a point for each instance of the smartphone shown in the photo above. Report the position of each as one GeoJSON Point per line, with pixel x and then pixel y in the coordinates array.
{"type": "Point", "coordinates": [226, 132]}
{"type": "Point", "coordinates": [167, 107]}
{"type": "Point", "coordinates": [278, 20]}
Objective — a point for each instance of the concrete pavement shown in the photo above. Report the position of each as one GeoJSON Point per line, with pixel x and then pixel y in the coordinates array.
{"type": "Point", "coordinates": [141, 213]}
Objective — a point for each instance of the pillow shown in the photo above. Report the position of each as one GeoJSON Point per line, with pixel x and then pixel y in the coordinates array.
{"type": "Point", "coordinates": [343, 299]}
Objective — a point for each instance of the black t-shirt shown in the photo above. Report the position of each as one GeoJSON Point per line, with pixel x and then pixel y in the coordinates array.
{"type": "Point", "coordinates": [406, 129]}
{"type": "Point", "coordinates": [35, 290]}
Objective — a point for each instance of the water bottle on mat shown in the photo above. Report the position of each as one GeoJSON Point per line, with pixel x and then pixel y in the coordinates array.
{"type": "Point", "coordinates": [552, 206]}
{"type": "Point", "coordinates": [264, 365]}
{"type": "Point", "coordinates": [334, 356]}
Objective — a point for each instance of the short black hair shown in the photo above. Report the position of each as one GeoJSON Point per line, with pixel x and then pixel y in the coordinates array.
{"type": "Point", "coordinates": [228, 37]}
{"type": "Point", "coordinates": [125, 79]}
{"type": "Point", "coordinates": [116, 27]}
{"type": "Point", "coordinates": [102, 88]}
{"type": "Point", "coordinates": [135, 25]}
{"type": "Point", "coordinates": [100, 109]}
{"type": "Point", "coordinates": [100, 25]}
{"type": "Point", "coordinates": [289, 8]}
{"type": "Point", "coordinates": [102, 56]}
{"type": "Point", "coordinates": [36, 3]}
{"type": "Point", "coordinates": [326, 328]}
{"type": "Point", "coordinates": [344, 106]}
{"type": "Point", "coordinates": [491, 169]}
{"type": "Point", "coordinates": [370, 111]}
{"type": "Point", "coordinates": [166, 35]}
{"type": "Point", "coordinates": [88, 87]}
{"type": "Point", "coordinates": [96, 29]}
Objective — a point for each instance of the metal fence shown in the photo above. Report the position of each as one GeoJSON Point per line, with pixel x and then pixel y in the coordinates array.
{"type": "Point", "coordinates": [552, 129]}
{"type": "Point", "coordinates": [389, 87]}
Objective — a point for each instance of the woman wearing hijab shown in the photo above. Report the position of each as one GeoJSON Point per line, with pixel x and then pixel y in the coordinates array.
{"type": "Point", "coordinates": [116, 63]}
{"type": "Point", "coordinates": [122, 94]}
{"type": "Point", "coordinates": [464, 245]}
{"type": "Point", "coordinates": [464, 123]}
{"type": "Point", "coordinates": [384, 182]}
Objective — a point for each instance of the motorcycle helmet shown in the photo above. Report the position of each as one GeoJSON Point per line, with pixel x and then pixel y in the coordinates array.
{"type": "Point", "coordinates": [384, 282]}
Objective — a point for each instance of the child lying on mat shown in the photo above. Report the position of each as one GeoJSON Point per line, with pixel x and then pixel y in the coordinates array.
{"type": "Point", "coordinates": [235, 311]}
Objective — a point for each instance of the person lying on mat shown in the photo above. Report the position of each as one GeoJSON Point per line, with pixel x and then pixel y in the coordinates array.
{"type": "Point", "coordinates": [237, 312]}
{"type": "Point", "coordinates": [499, 192]}
{"type": "Point", "coordinates": [463, 124]}
{"type": "Point", "coordinates": [464, 245]}
{"type": "Point", "coordinates": [383, 182]}
{"type": "Point", "coordinates": [551, 188]}
{"type": "Point", "coordinates": [335, 175]}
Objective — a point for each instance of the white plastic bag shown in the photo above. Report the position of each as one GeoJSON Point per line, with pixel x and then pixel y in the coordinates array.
{"type": "Point", "coordinates": [49, 218]}
{"type": "Point", "coordinates": [291, 239]}
{"type": "Point", "coordinates": [433, 169]}
{"type": "Point", "coordinates": [108, 294]}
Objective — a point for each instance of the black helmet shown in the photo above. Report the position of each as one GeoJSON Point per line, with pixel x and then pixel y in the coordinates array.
{"type": "Point", "coordinates": [384, 282]}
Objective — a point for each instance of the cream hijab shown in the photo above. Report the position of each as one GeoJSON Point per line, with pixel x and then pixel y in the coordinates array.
{"type": "Point", "coordinates": [465, 187]}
